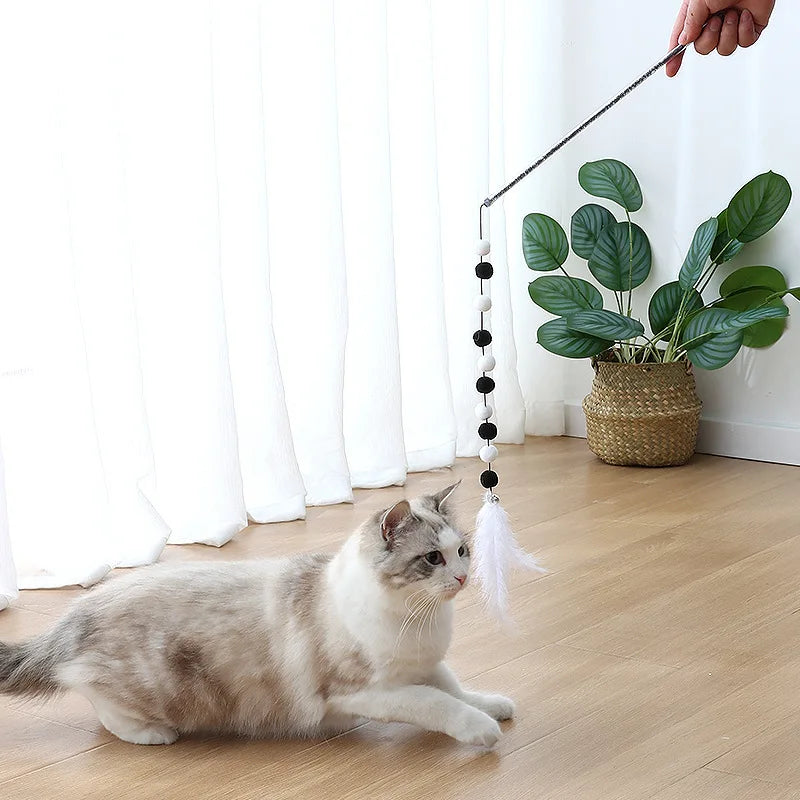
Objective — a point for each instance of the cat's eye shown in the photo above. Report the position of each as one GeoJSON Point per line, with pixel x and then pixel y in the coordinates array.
{"type": "Point", "coordinates": [434, 557]}
{"type": "Point", "coordinates": [462, 551]}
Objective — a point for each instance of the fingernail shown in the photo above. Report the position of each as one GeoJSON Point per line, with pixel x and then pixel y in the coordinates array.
{"type": "Point", "coordinates": [715, 24]}
{"type": "Point", "coordinates": [683, 39]}
{"type": "Point", "coordinates": [730, 19]}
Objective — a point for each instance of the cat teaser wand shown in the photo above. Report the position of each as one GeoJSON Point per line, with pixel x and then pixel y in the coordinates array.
{"type": "Point", "coordinates": [495, 550]}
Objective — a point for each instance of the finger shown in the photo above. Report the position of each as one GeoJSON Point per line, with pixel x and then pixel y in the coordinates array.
{"type": "Point", "coordinates": [675, 64]}
{"type": "Point", "coordinates": [709, 38]}
{"type": "Point", "coordinates": [747, 29]}
{"type": "Point", "coordinates": [729, 35]}
{"type": "Point", "coordinates": [697, 13]}
{"type": "Point", "coordinates": [680, 21]}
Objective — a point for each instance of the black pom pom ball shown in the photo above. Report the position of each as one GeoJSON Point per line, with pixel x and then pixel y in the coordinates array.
{"type": "Point", "coordinates": [482, 338]}
{"type": "Point", "coordinates": [488, 479]}
{"type": "Point", "coordinates": [484, 270]}
{"type": "Point", "coordinates": [487, 431]}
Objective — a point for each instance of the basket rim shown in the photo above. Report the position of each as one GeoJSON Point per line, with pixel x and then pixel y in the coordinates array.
{"type": "Point", "coordinates": [686, 365]}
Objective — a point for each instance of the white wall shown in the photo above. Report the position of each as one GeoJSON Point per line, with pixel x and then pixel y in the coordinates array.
{"type": "Point", "coordinates": [692, 141]}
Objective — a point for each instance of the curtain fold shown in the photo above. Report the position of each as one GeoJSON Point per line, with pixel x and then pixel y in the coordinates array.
{"type": "Point", "coordinates": [271, 481]}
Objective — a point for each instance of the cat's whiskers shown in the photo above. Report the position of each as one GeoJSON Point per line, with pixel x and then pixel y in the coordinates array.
{"type": "Point", "coordinates": [406, 624]}
{"type": "Point", "coordinates": [434, 615]}
{"type": "Point", "coordinates": [430, 605]}
{"type": "Point", "coordinates": [415, 605]}
{"type": "Point", "coordinates": [412, 596]}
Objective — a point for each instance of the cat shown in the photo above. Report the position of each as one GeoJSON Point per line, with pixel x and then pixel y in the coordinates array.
{"type": "Point", "coordinates": [306, 646]}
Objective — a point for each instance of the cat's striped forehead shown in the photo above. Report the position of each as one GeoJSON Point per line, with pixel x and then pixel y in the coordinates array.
{"type": "Point", "coordinates": [423, 511]}
{"type": "Point", "coordinates": [401, 561]}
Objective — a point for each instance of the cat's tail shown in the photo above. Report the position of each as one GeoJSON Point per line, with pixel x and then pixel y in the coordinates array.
{"type": "Point", "coordinates": [29, 668]}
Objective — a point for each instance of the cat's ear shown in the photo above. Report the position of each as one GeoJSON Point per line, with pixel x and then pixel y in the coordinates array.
{"type": "Point", "coordinates": [393, 518]}
{"type": "Point", "coordinates": [440, 500]}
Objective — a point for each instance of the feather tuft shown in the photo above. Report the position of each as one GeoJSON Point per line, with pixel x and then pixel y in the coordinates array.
{"type": "Point", "coordinates": [495, 553]}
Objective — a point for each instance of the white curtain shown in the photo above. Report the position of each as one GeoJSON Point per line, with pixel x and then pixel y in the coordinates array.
{"type": "Point", "coordinates": [236, 265]}
{"type": "Point", "coordinates": [238, 239]}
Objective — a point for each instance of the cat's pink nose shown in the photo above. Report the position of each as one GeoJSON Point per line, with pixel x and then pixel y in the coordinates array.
{"type": "Point", "coordinates": [461, 579]}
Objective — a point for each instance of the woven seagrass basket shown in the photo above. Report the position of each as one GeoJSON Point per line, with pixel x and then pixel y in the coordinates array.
{"type": "Point", "coordinates": [642, 414]}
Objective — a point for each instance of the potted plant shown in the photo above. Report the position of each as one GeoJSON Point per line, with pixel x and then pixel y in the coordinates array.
{"type": "Point", "coordinates": [643, 408]}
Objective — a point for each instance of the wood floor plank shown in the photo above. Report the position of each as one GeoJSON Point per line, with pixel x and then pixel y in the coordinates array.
{"type": "Point", "coordinates": [48, 601]}
{"type": "Point", "coordinates": [722, 720]}
{"type": "Point", "coordinates": [705, 784]}
{"type": "Point", "coordinates": [29, 743]}
{"type": "Point", "coordinates": [18, 623]}
{"type": "Point", "coordinates": [770, 756]}
{"type": "Point", "coordinates": [695, 620]}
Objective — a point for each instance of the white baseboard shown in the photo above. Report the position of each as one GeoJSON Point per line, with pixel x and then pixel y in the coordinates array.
{"type": "Point", "coordinates": [574, 421]}
{"type": "Point", "coordinates": [733, 439]}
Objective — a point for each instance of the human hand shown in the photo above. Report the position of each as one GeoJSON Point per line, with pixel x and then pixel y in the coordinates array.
{"type": "Point", "coordinates": [739, 26]}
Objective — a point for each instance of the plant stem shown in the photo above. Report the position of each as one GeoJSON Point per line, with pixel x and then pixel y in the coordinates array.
{"type": "Point", "coordinates": [630, 260]}
{"type": "Point", "coordinates": [708, 273]}
{"type": "Point", "coordinates": [722, 252]}
{"type": "Point", "coordinates": [648, 342]}
{"type": "Point", "coordinates": [675, 327]}
{"type": "Point", "coordinates": [711, 270]}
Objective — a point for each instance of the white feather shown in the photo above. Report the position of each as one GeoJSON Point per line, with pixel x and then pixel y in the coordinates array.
{"type": "Point", "coordinates": [495, 553]}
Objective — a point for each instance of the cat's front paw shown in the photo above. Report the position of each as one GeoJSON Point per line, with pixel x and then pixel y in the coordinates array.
{"type": "Point", "coordinates": [495, 705]}
{"type": "Point", "coordinates": [476, 728]}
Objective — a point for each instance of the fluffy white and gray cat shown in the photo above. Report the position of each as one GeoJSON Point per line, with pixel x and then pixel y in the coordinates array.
{"type": "Point", "coordinates": [302, 646]}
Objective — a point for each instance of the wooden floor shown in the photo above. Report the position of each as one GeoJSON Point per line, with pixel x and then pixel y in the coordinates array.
{"type": "Point", "coordinates": [660, 657]}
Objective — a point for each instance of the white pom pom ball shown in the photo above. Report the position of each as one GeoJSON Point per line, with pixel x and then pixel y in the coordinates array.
{"type": "Point", "coordinates": [483, 411]}
{"type": "Point", "coordinates": [488, 453]}
{"type": "Point", "coordinates": [482, 247]}
{"type": "Point", "coordinates": [483, 302]}
{"type": "Point", "coordinates": [486, 363]}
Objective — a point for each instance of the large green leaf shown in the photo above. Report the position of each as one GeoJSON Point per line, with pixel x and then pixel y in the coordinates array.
{"type": "Point", "coordinates": [613, 180]}
{"type": "Point", "coordinates": [561, 295]}
{"type": "Point", "coordinates": [707, 346]}
{"type": "Point", "coordinates": [699, 249]}
{"type": "Point", "coordinates": [724, 247]}
{"type": "Point", "coordinates": [610, 262]}
{"type": "Point", "coordinates": [717, 320]}
{"type": "Point", "coordinates": [556, 337]}
{"type": "Point", "coordinates": [751, 278]}
{"type": "Point", "coordinates": [544, 243]}
{"type": "Point", "coordinates": [744, 319]}
{"type": "Point", "coordinates": [714, 336]}
{"type": "Point", "coordinates": [587, 223]}
{"type": "Point", "coordinates": [758, 206]}
{"type": "Point", "coordinates": [766, 332]}
{"type": "Point", "coordinates": [666, 302]}
{"type": "Point", "coordinates": [605, 324]}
